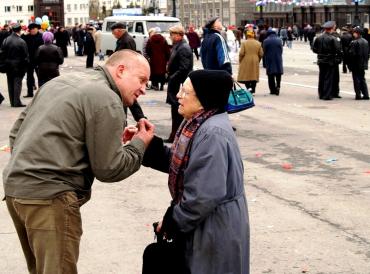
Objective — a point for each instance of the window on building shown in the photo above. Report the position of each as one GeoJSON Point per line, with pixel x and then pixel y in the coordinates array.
{"type": "Point", "coordinates": [348, 18]}
{"type": "Point", "coordinates": [217, 12]}
{"type": "Point", "coordinates": [7, 8]}
{"type": "Point", "coordinates": [19, 8]}
{"type": "Point", "coordinates": [81, 6]}
{"type": "Point", "coordinates": [69, 8]}
{"type": "Point", "coordinates": [76, 20]}
{"type": "Point", "coordinates": [81, 20]}
{"type": "Point", "coordinates": [225, 12]}
{"type": "Point", "coordinates": [69, 21]}
{"type": "Point", "coordinates": [76, 7]}
{"type": "Point", "coordinates": [30, 8]}
{"type": "Point", "coordinates": [366, 18]}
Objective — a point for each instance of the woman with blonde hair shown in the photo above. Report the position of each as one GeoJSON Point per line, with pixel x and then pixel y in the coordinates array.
{"type": "Point", "coordinates": [250, 56]}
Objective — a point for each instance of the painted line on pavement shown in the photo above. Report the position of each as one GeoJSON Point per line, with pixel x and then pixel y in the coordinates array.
{"type": "Point", "coordinates": [307, 86]}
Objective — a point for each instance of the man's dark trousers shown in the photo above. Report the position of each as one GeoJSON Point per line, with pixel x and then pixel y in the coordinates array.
{"type": "Point", "coordinates": [31, 79]}
{"type": "Point", "coordinates": [326, 81]}
{"type": "Point", "coordinates": [14, 89]}
{"type": "Point", "coordinates": [359, 83]}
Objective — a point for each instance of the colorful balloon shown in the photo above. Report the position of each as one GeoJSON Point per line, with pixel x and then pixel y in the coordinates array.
{"type": "Point", "coordinates": [45, 18]}
{"type": "Point", "coordinates": [44, 25]}
{"type": "Point", "coordinates": [38, 20]}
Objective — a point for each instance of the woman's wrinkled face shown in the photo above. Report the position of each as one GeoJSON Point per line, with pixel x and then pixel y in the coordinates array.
{"type": "Point", "coordinates": [188, 100]}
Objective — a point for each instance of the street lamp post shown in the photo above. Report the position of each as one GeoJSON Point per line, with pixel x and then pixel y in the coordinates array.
{"type": "Point", "coordinates": [356, 21]}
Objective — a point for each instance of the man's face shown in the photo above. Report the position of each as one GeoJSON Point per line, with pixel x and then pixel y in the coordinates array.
{"type": "Point", "coordinates": [355, 35]}
{"type": "Point", "coordinates": [175, 37]}
{"type": "Point", "coordinates": [132, 80]}
{"type": "Point", "coordinates": [217, 25]}
{"type": "Point", "coordinates": [34, 31]}
{"type": "Point", "coordinates": [117, 33]}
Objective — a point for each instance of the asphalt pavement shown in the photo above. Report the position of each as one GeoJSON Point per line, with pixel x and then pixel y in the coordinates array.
{"type": "Point", "coordinates": [307, 179]}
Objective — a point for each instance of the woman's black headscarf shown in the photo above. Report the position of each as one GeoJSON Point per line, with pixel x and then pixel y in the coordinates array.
{"type": "Point", "coordinates": [212, 88]}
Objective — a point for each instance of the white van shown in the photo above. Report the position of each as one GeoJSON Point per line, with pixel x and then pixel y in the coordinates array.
{"type": "Point", "coordinates": [137, 27]}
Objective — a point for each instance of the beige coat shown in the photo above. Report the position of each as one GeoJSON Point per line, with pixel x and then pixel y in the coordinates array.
{"type": "Point", "coordinates": [97, 39]}
{"type": "Point", "coordinates": [250, 56]}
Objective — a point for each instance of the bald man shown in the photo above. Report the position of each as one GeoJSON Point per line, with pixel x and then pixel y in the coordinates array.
{"type": "Point", "coordinates": [70, 134]}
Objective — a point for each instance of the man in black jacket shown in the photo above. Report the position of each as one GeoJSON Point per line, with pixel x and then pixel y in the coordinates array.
{"type": "Point", "coordinates": [328, 52]}
{"type": "Point", "coordinates": [179, 66]}
{"type": "Point", "coordinates": [33, 40]}
{"type": "Point", "coordinates": [359, 53]}
{"type": "Point", "coordinates": [125, 41]}
{"type": "Point", "coordinates": [16, 59]}
{"type": "Point", "coordinates": [345, 41]}
{"type": "Point", "coordinates": [5, 32]}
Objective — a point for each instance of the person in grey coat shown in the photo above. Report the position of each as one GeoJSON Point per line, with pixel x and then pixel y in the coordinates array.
{"type": "Point", "coordinates": [273, 52]}
{"type": "Point", "coordinates": [208, 216]}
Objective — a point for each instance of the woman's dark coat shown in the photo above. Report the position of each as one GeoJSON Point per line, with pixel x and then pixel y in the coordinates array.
{"type": "Point", "coordinates": [48, 58]}
{"type": "Point", "coordinates": [158, 52]}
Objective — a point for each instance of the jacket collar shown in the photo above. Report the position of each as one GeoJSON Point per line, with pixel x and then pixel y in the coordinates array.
{"type": "Point", "coordinates": [110, 80]}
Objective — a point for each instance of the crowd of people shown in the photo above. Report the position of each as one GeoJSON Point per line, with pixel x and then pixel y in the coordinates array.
{"type": "Point", "coordinates": [85, 121]}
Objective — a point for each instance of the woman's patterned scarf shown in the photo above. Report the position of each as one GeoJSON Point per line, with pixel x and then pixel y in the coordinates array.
{"type": "Point", "coordinates": [180, 152]}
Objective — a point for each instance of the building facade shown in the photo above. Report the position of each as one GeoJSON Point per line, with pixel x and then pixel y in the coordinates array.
{"type": "Point", "coordinates": [198, 12]}
{"type": "Point", "coordinates": [60, 12]}
{"type": "Point", "coordinates": [341, 11]}
{"type": "Point", "coordinates": [16, 11]}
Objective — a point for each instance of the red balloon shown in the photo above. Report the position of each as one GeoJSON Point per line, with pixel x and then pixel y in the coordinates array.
{"type": "Point", "coordinates": [32, 18]}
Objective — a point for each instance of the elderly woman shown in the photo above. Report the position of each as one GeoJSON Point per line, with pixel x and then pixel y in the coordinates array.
{"type": "Point", "coordinates": [48, 57]}
{"type": "Point", "coordinates": [208, 216]}
{"type": "Point", "coordinates": [250, 55]}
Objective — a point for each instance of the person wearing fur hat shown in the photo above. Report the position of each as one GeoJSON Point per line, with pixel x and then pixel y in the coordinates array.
{"type": "Point", "coordinates": [214, 51]}
{"type": "Point", "coordinates": [359, 56]}
{"type": "Point", "coordinates": [208, 217]}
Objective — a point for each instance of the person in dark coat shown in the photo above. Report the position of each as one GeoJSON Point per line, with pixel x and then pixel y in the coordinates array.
{"type": "Point", "coordinates": [89, 47]}
{"type": "Point", "coordinates": [179, 66]}
{"type": "Point", "coordinates": [345, 41]}
{"type": "Point", "coordinates": [328, 50]}
{"type": "Point", "coordinates": [62, 40]}
{"type": "Point", "coordinates": [214, 52]}
{"type": "Point", "coordinates": [273, 52]}
{"type": "Point", "coordinates": [16, 58]}
{"type": "Point", "coordinates": [125, 41]}
{"type": "Point", "coordinates": [194, 41]}
{"type": "Point", "coordinates": [5, 32]}
{"type": "Point", "coordinates": [48, 58]}
{"type": "Point", "coordinates": [33, 40]}
{"type": "Point", "coordinates": [208, 217]}
{"type": "Point", "coordinates": [158, 53]}
{"type": "Point", "coordinates": [359, 56]}
{"type": "Point", "coordinates": [80, 35]}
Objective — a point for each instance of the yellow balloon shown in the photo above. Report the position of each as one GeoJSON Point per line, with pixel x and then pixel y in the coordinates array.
{"type": "Point", "coordinates": [44, 25]}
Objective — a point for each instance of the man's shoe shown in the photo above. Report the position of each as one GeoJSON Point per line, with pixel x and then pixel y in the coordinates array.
{"type": "Point", "coordinates": [337, 96]}
{"type": "Point", "coordinates": [1, 99]}
{"type": "Point", "coordinates": [19, 106]}
{"type": "Point", "coordinates": [28, 96]}
{"type": "Point", "coordinates": [365, 98]}
{"type": "Point", "coordinates": [358, 98]}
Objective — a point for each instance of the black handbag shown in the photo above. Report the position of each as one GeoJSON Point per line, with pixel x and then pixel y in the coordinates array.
{"type": "Point", "coordinates": [239, 99]}
{"type": "Point", "coordinates": [162, 256]}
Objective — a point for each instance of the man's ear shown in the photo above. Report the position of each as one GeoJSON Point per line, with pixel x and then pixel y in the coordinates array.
{"type": "Point", "coordinates": [120, 70]}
